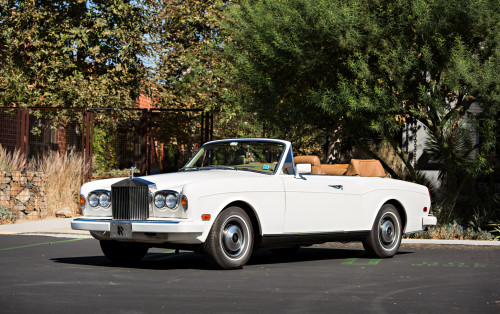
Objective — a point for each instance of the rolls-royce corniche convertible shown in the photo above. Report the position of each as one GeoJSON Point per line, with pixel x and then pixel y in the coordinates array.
{"type": "Point", "coordinates": [238, 195]}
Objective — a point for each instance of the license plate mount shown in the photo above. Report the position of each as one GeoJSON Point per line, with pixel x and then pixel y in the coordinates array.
{"type": "Point", "coordinates": [120, 230]}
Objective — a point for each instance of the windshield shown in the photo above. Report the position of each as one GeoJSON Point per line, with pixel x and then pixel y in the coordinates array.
{"type": "Point", "coordinates": [239, 155]}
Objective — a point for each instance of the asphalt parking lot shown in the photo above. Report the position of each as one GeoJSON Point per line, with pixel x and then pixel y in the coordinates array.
{"type": "Point", "coordinates": [48, 275]}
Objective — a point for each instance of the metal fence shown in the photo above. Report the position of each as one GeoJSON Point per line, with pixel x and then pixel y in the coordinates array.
{"type": "Point", "coordinates": [152, 140]}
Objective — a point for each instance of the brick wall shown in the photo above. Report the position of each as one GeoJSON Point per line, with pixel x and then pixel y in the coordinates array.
{"type": "Point", "coordinates": [145, 102]}
{"type": "Point", "coordinates": [61, 139]}
{"type": "Point", "coordinates": [24, 193]}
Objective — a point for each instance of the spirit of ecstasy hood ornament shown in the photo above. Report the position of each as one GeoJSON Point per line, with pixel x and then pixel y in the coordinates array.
{"type": "Point", "coordinates": [132, 172]}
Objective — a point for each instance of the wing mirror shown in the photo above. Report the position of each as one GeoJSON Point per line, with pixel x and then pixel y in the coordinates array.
{"type": "Point", "coordinates": [302, 168]}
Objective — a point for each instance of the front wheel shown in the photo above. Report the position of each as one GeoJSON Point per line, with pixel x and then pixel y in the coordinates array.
{"type": "Point", "coordinates": [230, 241]}
{"type": "Point", "coordinates": [123, 253]}
{"type": "Point", "coordinates": [385, 237]}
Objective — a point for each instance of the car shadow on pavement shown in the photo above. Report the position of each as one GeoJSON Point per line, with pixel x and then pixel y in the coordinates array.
{"type": "Point", "coordinates": [309, 254]}
{"type": "Point", "coordinates": [182, 260]}
{"type": "Point", "coordinates": [191, 260]}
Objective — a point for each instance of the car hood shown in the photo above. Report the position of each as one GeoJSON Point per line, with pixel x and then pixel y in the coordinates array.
{"type": "Point", "coordinates": [185, 177]}
{"type": "Point", "coordinates": [176, 179]}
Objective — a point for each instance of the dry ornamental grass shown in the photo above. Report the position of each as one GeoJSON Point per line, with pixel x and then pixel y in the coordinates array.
{"type": "Point", "coordinates": [63, 172]}
{"type": "Point", "coordinates": [11, 161]}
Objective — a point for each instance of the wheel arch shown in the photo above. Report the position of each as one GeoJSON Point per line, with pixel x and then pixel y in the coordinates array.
{"type": "Point", "coordinates": [401, 211]}
{"type": "Point", "coordinates": [251, 214]}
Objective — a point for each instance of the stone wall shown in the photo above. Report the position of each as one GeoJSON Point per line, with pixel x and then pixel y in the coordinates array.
{"type": "Point", "coordinates": [24, 193]}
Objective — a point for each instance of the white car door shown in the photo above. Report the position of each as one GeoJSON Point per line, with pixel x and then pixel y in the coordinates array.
{"type": "Point", "coordinates": [322, 203]}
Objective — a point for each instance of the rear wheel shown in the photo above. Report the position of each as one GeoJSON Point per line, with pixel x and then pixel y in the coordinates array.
{"type": "Point", "coordinates": [385, 237]}
{"type": "Point", "coordinates": [230, 241]}
{"type": "Point", "coordinates": [123, 253]}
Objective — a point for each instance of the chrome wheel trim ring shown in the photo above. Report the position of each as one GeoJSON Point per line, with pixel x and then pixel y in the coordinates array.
{"type": "Point", "coordinates": [389, 231]}
{"type": "Point", "coordinates": [233, 237]}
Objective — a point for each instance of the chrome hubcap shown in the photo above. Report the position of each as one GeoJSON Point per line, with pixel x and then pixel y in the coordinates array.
{"type": "Point", "coordinates": [233, 239]}
{"type": "Point", "coordinates": [388, 232]}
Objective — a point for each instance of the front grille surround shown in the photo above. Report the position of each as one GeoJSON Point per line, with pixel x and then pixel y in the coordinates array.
{"type": "Point", "coordinates": [130, 200]}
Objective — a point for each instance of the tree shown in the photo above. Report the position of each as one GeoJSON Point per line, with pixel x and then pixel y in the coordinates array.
{"type": "Point", "coordinates": [282, 51]}
{"type": "Point", "coordinates": [184, 41]}
{"type": "Point", "coordinates": [369, 67]}
{"type": "Point", "coordinates": [71, 53]}
{"type": "Point", "coordinates": [435, 59]}
{"type": "Point", "coordinates": [188, 68]}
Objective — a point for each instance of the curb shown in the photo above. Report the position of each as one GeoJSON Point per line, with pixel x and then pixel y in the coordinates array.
{"type": "Point", "coordinates": [451, 242]}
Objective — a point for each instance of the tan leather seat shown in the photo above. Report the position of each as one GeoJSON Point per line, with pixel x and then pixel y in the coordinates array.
{"type": "Point", "coordinates": [365, 168]}
{"type": "Point", "coordinates": [313, 160]}
{"type": "Point", "coordinates": [335, 169]}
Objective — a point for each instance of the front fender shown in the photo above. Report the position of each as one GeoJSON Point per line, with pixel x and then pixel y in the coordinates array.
{"type": "Point", "coordinates": [268, 209]}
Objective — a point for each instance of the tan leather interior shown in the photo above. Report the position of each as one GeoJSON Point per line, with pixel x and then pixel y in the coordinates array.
{"type": "Point", "coordinates": [335, 169]}
{"type": "Point", "coordinates": [365, 168]}
{"type": "Point", "coordinates": [360, 167]}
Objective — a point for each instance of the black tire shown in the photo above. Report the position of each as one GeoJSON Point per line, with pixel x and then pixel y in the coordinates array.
{"type": "Point", "coordinates": [385, 237]}
{"type": "Point", "coordinates": [229, 243]}
{"type": "Point", "coordinates": [123, 253]}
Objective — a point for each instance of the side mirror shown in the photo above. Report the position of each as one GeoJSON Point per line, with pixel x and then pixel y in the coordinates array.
{"type": "Point", "coordinates": [303, 168]}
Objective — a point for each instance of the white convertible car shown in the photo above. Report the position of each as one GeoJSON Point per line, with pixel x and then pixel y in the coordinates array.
{"type": "Point", "coordinates": [238, 195]}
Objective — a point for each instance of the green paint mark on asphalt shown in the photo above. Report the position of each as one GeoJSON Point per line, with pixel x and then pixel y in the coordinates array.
{"type": "Point", "coordinates": [153, 255]}
{"type": "Point", "coordinates": [426, 264]}
{"type": "Point", "coordinates": [37, 244]}
{"type": "Point", "coordinates": [351, 261]}
{"type": "Point", "coordinates": [451, 264]}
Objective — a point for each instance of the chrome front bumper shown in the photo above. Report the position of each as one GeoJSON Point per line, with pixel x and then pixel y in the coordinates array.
{"type": "Point", "coordinates": [140, 226]}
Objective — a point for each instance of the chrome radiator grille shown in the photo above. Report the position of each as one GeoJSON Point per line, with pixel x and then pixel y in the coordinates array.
{"type": "Point", "coordinates": [129, 200]}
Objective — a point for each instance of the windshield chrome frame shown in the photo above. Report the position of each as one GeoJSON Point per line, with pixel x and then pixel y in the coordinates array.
{"type": "Point", "coordinates": [277, 170]}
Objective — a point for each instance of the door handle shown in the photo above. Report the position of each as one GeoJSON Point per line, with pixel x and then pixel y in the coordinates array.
{"type": "Point", "coordinates": [337, 186]}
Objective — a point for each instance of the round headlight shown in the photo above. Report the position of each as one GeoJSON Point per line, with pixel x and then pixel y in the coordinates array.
{"type": "Point", "coordinates": [93, 199]}
{"type": "Point", "coordinates": [104, 199]}
{"type": "Point", "coordinates": [160, 200]}
{"type": "Point", "coordinates": [171, 201]}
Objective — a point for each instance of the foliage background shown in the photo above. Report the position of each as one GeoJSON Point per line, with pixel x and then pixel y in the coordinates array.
{"type": "Point", "coordinates": [359, 71]}
{"type": "Point", "coordinates": [337, 78]}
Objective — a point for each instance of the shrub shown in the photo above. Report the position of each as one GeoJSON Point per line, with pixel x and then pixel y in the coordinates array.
{"type": "Point", "coordinates": [113, 173]}
{"type": "Point", "coordinates": [7, 216]}
{"type": "Point", "coordinates": [496, 229]}
{"type": "Point", "coordinates": [452, 231]}
{"type": "Point", "coordinates": [105, 153]}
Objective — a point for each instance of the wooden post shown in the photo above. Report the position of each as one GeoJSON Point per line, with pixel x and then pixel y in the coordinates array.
{"type": "Point", "coordinates": [207, 126]}
{"type": "Point", "coordinates": [22, 133]}
{"type": "Point", "coordinates": [202, 128]}
{"type": "Point", "coordinates": [87, 136]}
{"type": "Point", "coordinates": [211, 126]}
